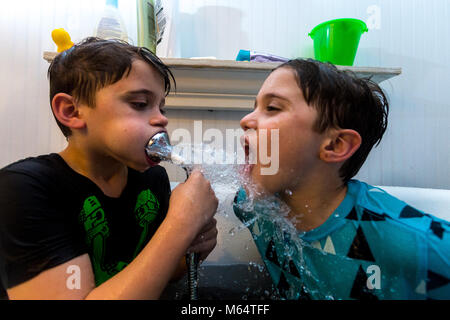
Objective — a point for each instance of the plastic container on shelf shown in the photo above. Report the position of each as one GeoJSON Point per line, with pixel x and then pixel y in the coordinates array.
{"type": "Point", "coordinates": [337, 41]}
{"type": "Point", "coordinates": [167, 42]}
{"type": "Point", "coordinates": [146, 24]}
{"type": "Point", "coordinates": [247, 55]}
{"type": "Point", "coordinates": [111, 25]}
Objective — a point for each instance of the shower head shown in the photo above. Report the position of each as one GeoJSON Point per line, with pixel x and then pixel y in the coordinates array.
{"type": "Point", "coordinates": [159, 148]}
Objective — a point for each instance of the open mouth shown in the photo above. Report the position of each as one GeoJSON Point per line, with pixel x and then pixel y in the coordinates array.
{"type": "Point", "coordinates": [247, 153]}
{"type": "Point", "coordinates": [246, 146]}
{"type": "Point", "coordinates": [247, 167]}
{"type": "Point", "coordinates": [152, 161]}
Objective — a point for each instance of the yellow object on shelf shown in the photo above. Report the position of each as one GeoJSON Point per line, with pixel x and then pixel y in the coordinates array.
{"type": "Point", "coordinates": [62, 39]}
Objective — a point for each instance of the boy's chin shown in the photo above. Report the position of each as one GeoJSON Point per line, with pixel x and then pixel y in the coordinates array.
{"type": "Point", "coordinates": [141, 167]}
{"type": "Point", "coordinates": [262, 186]}
{"type": "Point", "coordinates": [259, 185]}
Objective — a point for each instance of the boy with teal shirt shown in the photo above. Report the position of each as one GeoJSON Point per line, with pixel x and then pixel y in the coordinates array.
{"type": "Point", "coordinates": [325, 235]}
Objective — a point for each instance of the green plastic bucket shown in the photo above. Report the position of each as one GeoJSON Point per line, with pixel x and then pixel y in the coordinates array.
{"type": "Point", "coordinates": [337, 41]}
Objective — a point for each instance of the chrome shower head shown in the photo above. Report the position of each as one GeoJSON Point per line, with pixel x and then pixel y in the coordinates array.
{"type": "Point", "coordinates": [159, 148]}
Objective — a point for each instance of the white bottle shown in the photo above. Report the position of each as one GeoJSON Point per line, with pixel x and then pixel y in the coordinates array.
{"type": "Point", "coordinates": [111, 25]}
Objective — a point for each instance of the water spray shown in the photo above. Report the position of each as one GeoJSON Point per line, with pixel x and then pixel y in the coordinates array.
{"type": "Point", "coordinates": [160, 149]}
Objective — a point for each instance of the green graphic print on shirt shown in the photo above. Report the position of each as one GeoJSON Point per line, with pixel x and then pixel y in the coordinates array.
{"type": "Point", "coordinates": [147, 206]}
{"type": "Point", "coordinates": [94, 221]}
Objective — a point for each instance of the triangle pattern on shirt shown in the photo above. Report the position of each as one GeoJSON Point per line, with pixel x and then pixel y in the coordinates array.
{"type": "Point", "coordinates": [353, 215]}
{"type": "Point", "coordinates": [359, 249]}
{"type": "Point", "coordinates": [410, 212]}
{"type": "Point", "coordinates": [436, 228]}
{"type": "Point", "coordinates": [283, 286]}
{"type": "Point", "coordinates": [292, 269]}
{"type": "Point", "coordinates": [316, 244]}
{"type": "Point", "coordinates": [435, 280]}
{"type": "Point", "coordinates": [421, 288]}
{"type": "Point", "coordinates": [360, 291]}
{"type": "Point", "coordinates": [372, 216]}
{"type": "Point", "coordinates": [304, 295]}
{"type": "Point", "coordinates": [271, 253]}
{"type": "Point", "coordinates": [329, 246]}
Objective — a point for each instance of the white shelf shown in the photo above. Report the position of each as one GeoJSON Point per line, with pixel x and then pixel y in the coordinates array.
{"type": "Point", "coordinates": [206, 84]}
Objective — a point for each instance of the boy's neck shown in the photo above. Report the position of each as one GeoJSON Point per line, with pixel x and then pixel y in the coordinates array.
{"type": "Point", "coordinates": [109, 175]}
{"type": "Point", "coordinates": [312, 204]}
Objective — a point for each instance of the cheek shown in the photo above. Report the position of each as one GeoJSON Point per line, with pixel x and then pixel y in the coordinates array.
{"type": "Point", "coordinates": [292, 147]}
{"type": "Point", "coordinates": [295, 149]}
{"type": "Point", "coordinates": [127, 137]}
{"type": "Point", "coordinates": [130, 128]}
{"type": "Point", "coordinates": [296, 156]}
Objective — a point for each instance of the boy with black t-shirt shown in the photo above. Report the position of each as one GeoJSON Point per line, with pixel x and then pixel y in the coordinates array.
{"type": "Point", "coordinates": [101, 210]}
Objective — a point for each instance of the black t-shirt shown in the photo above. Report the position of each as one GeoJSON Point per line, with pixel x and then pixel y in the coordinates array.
{"type": "Point", "coordinates": [50, 214]}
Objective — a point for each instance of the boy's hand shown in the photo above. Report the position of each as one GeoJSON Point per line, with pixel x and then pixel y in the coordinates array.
{"type": "Point", "coordinates": [206, 240]}
{"type": "Point", "coordinates": [193, 205]}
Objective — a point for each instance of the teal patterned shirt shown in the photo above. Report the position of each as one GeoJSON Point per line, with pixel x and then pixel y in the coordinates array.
{"type": "Point", "coordinates": [374, 246]}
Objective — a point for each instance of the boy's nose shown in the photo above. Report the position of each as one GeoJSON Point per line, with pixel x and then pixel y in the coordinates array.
{"type": "Point", "coordinates": [249, 122]}
{"type": "Point", "coordinates": [159, 120]}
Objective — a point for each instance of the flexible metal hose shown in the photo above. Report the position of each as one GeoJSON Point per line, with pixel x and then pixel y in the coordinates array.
{"type": "Point", "coordinates": [192, 260]}
{"type": "Point", "coordinates": [192, 265]}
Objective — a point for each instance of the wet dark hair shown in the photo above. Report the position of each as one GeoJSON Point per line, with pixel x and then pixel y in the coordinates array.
{"type": "Point", "coordinates": [94, 64]}
{"type": "Point", "coordinates": [343, 101]}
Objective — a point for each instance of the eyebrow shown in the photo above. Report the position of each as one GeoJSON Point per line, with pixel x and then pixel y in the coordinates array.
{"type": "Point", "coordinates": [275, 96]}
{"type": "Point", "coordinates": [137, 92]}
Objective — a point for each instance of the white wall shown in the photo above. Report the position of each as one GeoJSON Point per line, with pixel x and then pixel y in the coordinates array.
{"type": "Point", "coordinates": [411, 34]}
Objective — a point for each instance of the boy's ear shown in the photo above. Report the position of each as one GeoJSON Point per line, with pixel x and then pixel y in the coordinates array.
{"type": "Point", "coordinates": [66, 111]}
{"type": "Point", "coordinates": [340, 145]}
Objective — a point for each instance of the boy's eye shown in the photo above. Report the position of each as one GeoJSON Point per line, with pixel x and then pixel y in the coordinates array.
{"type": "Point", "coordinates": [163, 111]}
{"type": "Point", "coordinates": [271, 108]}
{"type": "Point", "coordinates": [139, 105]}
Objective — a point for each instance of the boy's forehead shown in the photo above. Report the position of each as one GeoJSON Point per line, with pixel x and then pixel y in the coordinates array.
{"type": "Point", "coordinates": [143, 66]}
{"type": "Point", "coordinates": [146, 73]}
{"type": "Point", "coordinates": [281, 83]}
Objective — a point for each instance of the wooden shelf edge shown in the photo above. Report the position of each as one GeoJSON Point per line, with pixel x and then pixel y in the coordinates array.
{"type": "Point", "coordinates": [209, 84]}
{"type": "Point", "coordinates": [245, 65]}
